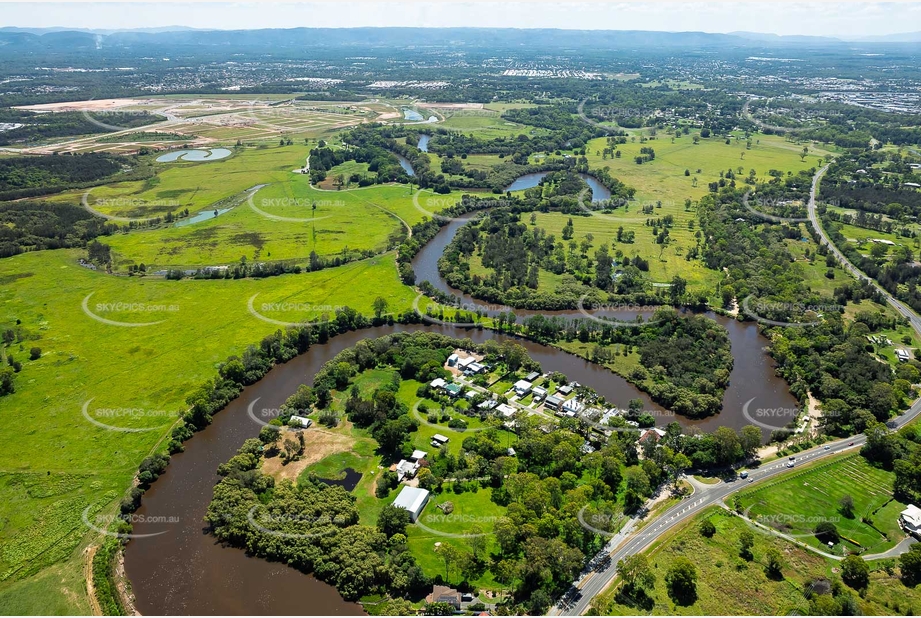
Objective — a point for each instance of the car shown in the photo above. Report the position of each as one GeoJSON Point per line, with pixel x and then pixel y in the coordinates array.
{"type": "Point", "coordinates": [792, 458]}
{"type": "Point", "coordinates": [850, 444]}
{"type": "Point", "coordinates": [743, 474]}
{"type": "Point", "coordinates": [790, 464]}
{"type": "Point", "coordinates": [751, 480]}
{"type": "Point", "coordinates": [826, 447]}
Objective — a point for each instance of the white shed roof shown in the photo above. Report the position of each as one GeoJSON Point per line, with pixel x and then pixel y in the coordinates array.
{"type": "Point", "coordinates": [412, 499]}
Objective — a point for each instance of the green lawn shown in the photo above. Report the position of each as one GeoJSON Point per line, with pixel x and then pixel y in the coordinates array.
{"type": "Point", "coordinates": [62, 463]}
{"type": "Point", "coordinates": [798, 503]}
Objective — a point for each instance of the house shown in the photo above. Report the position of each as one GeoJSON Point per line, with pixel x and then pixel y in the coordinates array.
{"type": "Point", "coordinates": [538, 392]}
{"type": "Point", "coordinates": [413, 499]}
{"type": "Point", "coordinates": [452, 360]}
{"type": "Point", "coordinates": [406, 470]}
{"type": "Point", "coordinates": [522, 388]}
{"type": "Point", "coordinates": [532, 376]}
{"type": "Point", "coordinates": [488, 405]}
{"type": "Point", "coordinates": [653, 433]}
{"type": "Point", "coordinates": [902, 355]}
{"type": "Point", "coordinates": [505, 410]}
{"type": "Point", "coordinates": [553, 402]}
{"type": "Point", "coordinates": [439, 440]}
{"type": "Point", "coordinates": [910, 521]}
{"type": "Point", "coordinates": [565, 389]}
{"type": "Point", "coordinates": [299, 421]}
{"type": "Point", "coordinates": [474, 368]}
{"type": "Point", "coordinates": [444, 594]}
{"type": "Point", "coordinates": [572, 407]}
{"type": "Point", "coordinates": [463, 362]}
{"type": "Point", "coordinates": [438, 383]}
{"type": "Point", "coordinates": [418, 456]}
{"type": "Point", "coordinates": [453, 389]}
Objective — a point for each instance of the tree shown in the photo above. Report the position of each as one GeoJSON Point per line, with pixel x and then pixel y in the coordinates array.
{"type": "Point", "coordinates": [707, 528]}
{"type": "Point", "coordinates": [393, 520]}
{"type": "Point", "coordinates": [774, 566]}
{"type": "Point", "coordinates": [750, 439]}
{"type": "Point", "coordinates": [635, 572]}
{"type": "Point", "coordinates": [450, 555]}
{"type": "Point", "coordinates": [380, 306]}
{"type": "Point", "coordinates": [855, 572]}
{"type": "Point", "coordinates": [826, 532]}
{"type": "Point", "coordinates": [746, 542]}
{"type": "Point", "coordinates": [681, 579]}
{"type": "Point", "coordinates": [477, 541]}
{"type": "Point", "coordinates": [910, 565]}
{"type": "Point", "coordinates": [35, 353]}
{"type": "Point", "coordinates": [847, 505]}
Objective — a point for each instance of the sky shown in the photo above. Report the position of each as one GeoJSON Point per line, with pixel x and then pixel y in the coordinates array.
{"type": "Point", "coordinates": [841, 19]}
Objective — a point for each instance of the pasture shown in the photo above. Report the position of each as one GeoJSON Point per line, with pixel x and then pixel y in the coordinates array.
{"type": "Point", "coordinates": [62, 462]}
{"type": "Point", "coordinates": [801, 500]}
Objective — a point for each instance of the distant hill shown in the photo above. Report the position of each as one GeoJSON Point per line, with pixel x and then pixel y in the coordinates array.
{"type": "Point", "coordinates": [59, 39]}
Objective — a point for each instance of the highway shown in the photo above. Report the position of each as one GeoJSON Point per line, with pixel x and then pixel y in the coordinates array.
{"type": "Point", "coordinates": [577, 600]}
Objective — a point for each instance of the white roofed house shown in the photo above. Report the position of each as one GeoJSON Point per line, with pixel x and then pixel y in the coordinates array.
{"type": "Point", "coordinates": [910, 521]}
{"type": "Point", "coordinates": [438, 383]}
{"type": "Point", "coordinates": [505, 410]}
{"type": "Point", "coordinates": [538, 392]}
{"type": "Point", "coordinates": [522, 388]}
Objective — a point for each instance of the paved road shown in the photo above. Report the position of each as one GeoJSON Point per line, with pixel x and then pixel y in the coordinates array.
{"type": "Point", "coordinates": [577, 599]}
{"type": "Point", "coordinates": [899, 306]}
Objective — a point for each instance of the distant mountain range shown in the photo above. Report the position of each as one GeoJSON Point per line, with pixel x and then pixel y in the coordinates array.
{"type": "Point", "coordinates": [55, 39]}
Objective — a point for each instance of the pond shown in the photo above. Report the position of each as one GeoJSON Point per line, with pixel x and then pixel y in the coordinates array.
{"type": "Point", "coordinates": [202, 216]}
{"type": "Point", "coordinates": [347, 482]}
{"type": "Point", "coordinates": [212, 154]}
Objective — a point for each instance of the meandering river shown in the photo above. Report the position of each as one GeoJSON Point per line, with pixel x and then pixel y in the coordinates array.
{"type": "Point", "coordinates": [183, 570]}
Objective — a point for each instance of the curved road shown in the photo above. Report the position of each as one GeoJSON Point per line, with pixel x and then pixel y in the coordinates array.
{"type": "Point", "coordinates": [593, 581]}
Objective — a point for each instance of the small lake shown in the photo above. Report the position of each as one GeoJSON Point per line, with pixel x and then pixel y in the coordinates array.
{"type": "Point", "coordinates": [202, 216]}
{"type": "Point", "coordinates": [423, 144]}
{"type": "Point", "coordinates": [411, 114]}
{"type": "Point", "coordinates": [348, 482]}
{"type": "Point", "coordinates": [212, 154]}
{"type": "Point", "coordinates": [599, 191]}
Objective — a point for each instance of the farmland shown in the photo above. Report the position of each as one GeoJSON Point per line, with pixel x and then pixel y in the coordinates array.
{"type": "Point", "coordinates": [798, 503]}
{"type": "Point", "coordinates": [729, 584]}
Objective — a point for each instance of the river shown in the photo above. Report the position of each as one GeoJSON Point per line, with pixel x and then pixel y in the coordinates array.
{"type": "Point", "coordinates": [599, 191]}
{"type": "Point", "coordinates": [183, 570]}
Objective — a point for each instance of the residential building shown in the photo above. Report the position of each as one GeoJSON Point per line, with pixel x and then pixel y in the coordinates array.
{"type": "Point", "coordinates": [522, 388]}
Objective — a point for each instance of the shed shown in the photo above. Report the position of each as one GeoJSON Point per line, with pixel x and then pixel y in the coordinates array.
{"type": "Point", "coordinates": [299, 421]}
{"type": "Point", "coordinates": [413, 499]}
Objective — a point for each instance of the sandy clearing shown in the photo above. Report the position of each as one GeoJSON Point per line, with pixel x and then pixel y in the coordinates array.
{"type": "Point", "coordinates": [318, 443]}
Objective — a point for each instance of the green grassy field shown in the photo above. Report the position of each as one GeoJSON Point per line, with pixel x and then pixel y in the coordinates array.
{"type": "Point", "coordinates": [664, 261]}
{"type": "Point", "coordinates": [62, 463]}
{"type": "Point", "coordinates": [798, 503]}
{"type": "Point", "coordinates": [730, 585]}
{"type": "Point", "coordinates": [663, 178]}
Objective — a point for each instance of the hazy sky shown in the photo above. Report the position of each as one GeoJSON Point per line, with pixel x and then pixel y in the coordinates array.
{"type": "Point", "coordinates": [830, 19]}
